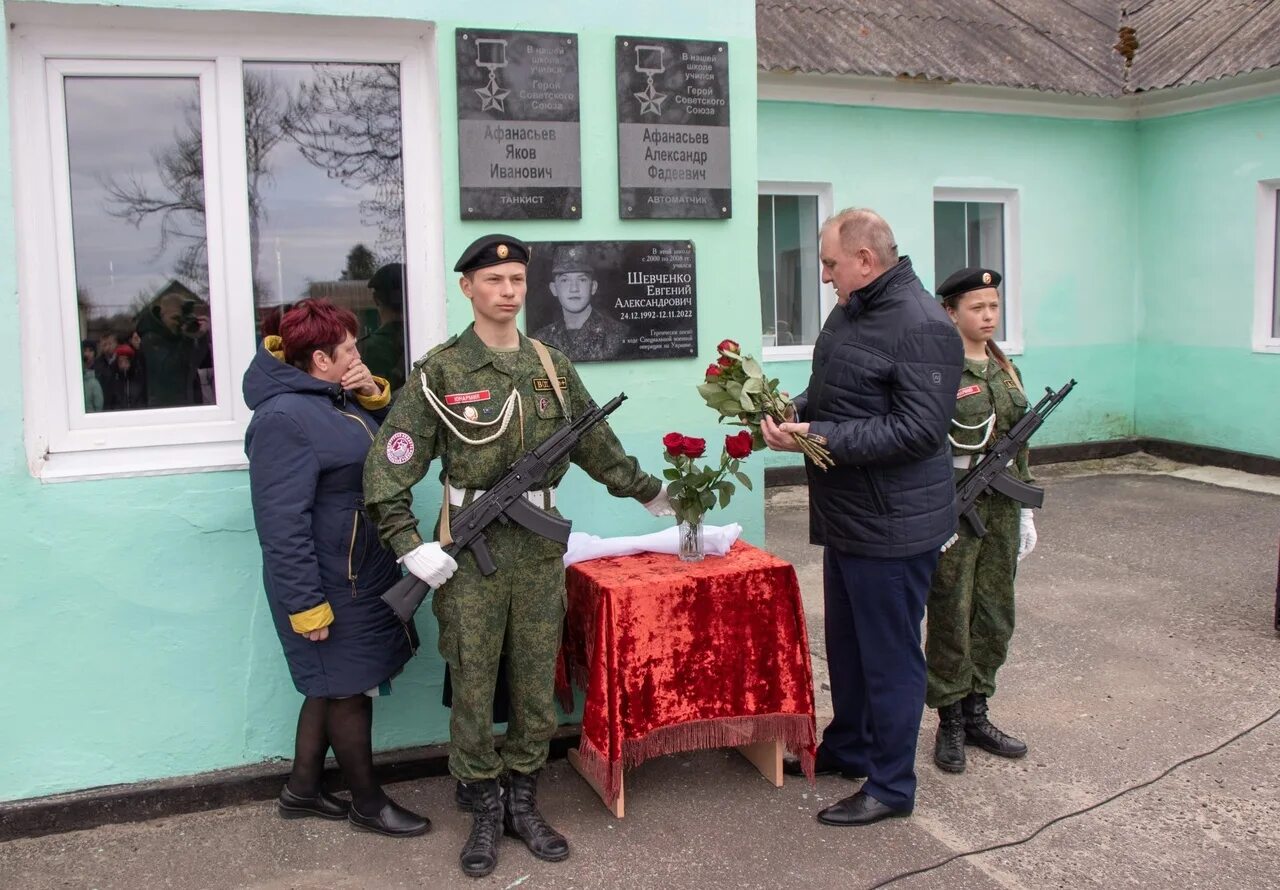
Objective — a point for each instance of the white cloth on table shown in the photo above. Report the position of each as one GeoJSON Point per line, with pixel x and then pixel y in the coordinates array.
{"type": "Point", "coordinates": [716, 541]}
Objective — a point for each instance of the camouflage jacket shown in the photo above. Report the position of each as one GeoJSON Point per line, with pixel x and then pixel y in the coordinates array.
{"type": "Point", "coordinates": [475, 382]}
{"type": "Point", "coordinates": [986, 388]}
{"type": "Point", "coordinates": [599, 339]}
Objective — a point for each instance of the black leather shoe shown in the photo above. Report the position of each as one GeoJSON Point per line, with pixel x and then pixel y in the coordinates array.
{"type": "Point", "coordinates": [523, 820]}
{"type": "Point", "coordinates": [823, 765]}
{"type": "Point", "coordinates": [859, 809]}
{"type": "Point", "coordinates": [479, 856]}
{"type": "Point", "coordinates": [948, 745]}
{"type": "Point", "coordinates": [980, 731]}
{"type": "Point", "coordinates": [392, 820]}
{"type": "Point", "coordinates": [323, 805]}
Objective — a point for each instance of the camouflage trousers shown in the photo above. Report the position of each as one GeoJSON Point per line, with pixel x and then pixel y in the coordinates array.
{"type": "Point", "coordinates": [970, 611]}
{"type": "Point", "coordinates": [518, 610]}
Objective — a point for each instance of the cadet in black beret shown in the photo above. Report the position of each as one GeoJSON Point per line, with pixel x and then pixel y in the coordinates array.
{"type": "Point", "coordinates": [967, 279]}
{"type": "Point", "coordinates": [971, 600]}
{"type": "Point", "coordinates": [492, 250]}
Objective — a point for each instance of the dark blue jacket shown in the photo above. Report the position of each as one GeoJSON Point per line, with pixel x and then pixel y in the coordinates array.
{"type": "Point", "coordinates": [322, 562]}
{"type": "Point", "coordinates": [883, 391]}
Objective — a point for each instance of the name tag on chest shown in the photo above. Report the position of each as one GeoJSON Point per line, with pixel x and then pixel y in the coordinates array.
{"type": "Point", "coordinates": [466, 398]}
{"type": "Point", "coordinates": [968, 391]}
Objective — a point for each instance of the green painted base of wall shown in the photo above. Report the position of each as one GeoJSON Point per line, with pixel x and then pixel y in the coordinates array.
{"type": "Point", "coordinates": [1226, 398]}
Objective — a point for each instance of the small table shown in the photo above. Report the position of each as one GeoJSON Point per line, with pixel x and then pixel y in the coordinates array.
{"type": "Point", "coordinates": [677, 656]}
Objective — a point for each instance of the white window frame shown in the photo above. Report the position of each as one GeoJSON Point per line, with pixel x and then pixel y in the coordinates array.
{"type": "Point", "coordinates": [826, 294]}
{"type": "Point", "coordinates": [1265, 303]}
{"type": "Point", "coordinates": [1012, 344]}
{"type": "Point", "coordinates": [47, 42]}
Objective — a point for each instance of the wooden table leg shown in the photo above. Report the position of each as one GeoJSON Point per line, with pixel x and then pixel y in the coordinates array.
{"type": "Point", "coordinates": [764, 756]}
{"type": "Point", "coordinates": [617, 807]}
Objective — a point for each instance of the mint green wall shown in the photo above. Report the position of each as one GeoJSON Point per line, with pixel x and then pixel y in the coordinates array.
{"type": "Point", "coordinates": [134, 640]}
{"type": "Point", "coordinates": [1198, 377]}
{"type": "Point", "coordinates": [1077, 182]}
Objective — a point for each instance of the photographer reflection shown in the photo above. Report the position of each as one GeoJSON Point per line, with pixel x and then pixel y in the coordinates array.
{"type": "Point", "coordinates": [174, 334]}
{"type": "Point", "coordinates": [580, 332]}
{"type": "Point", "coordinates": [383, 348]}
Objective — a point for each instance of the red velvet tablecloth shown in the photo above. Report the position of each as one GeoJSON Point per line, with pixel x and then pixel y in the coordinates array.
{"type": "Point", "coordinates": [677, 656]}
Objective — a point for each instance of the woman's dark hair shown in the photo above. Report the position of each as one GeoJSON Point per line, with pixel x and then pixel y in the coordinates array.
{"type": "Point", "coordinates": [311, 325]}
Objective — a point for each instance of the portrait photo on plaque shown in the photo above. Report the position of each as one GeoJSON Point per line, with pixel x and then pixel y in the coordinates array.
{"type": "Point", "coordinates": [604, 301]}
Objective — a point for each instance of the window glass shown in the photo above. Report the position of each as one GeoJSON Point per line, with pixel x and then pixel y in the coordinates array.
{"type": "Point", "coordinates": [140, 241]}
{"type": "Point", "coordinates": [326, 198]}
{"type": "Point", "coordinates": [969, 233]}
{"type": "Point", "coordinates": [790, 273]}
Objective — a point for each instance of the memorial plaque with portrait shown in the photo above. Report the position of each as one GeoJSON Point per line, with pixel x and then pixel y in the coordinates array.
{"type": "Point", "coordinates": [604, 301]}
{"type": "Point", "coordinates": [673, 129]}
{"type": "Point", "coordinates": [518, 125]}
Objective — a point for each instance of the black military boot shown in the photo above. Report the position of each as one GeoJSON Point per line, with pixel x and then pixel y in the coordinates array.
{"type": "Point", "coordinates": [525, 822]}
{"type": "Point", "coordinates": [479, 855]}
{"type": "Point", "coordinates": [948, 747]}
{"type": "Point", "coordinates": [979, 730]}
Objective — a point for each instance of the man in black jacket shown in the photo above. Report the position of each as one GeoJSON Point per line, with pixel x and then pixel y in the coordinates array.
{"type": "Point", "coordinates": [885, 370]}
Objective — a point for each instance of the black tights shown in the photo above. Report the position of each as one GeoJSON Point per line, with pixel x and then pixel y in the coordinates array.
{"type": "Point", "coordinates": [347, 725]}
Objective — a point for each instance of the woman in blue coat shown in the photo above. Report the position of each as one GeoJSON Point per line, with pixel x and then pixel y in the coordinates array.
{"type": "Point", "coordinates": [316, 408]}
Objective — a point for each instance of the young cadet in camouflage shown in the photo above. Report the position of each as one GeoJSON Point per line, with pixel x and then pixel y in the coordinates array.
{"type": "Point", "coordinates": [477, 403]}
{"type": "Point", "coordinates": [971, 602]}
{"type": "Point", "coordinates": [594, 336]}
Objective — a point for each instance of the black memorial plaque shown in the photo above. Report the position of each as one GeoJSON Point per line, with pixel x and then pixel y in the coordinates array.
{"type": "Point", "coordinates": [673, 129]}
{"type": "Point", "coordinates": [604, 301]}
{"type": "Point", "coordinates": [519, 154]}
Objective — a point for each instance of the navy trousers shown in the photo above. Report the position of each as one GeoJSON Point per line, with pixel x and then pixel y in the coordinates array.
{"type": "Point", "coordinates": [874, 608]}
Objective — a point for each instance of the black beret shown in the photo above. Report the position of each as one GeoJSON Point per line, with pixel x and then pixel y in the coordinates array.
{"type": "Point", "coordinates": [388, 278]}
{"type": "Point", "coordinates": [492, 250]}
{"type": "Point", "coordinates": [967, 279]}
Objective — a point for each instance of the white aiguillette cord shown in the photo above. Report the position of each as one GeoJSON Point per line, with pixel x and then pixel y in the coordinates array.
{"type": "Point", "coordinates": [989, 423]}
{"type": "Point", "coordinates": [512, 405]}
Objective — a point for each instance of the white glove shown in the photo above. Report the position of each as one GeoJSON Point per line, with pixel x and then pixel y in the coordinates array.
{"type": "Point", "coordinates": [661, 505]}
{"type": "Point", "coordinates": [1027, 536]}
{"type": "Point", "coordinates": [430, 563]}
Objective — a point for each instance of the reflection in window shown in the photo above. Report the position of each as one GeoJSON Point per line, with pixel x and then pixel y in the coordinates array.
{"type": "Point", "coordinates": [326, 198]}
{"type": "Point", "coordinates": [790, 276]}
{"type": "Point", "coordinates": [969, 233]}
{"type": "Point", "coordinates": [138, 221]}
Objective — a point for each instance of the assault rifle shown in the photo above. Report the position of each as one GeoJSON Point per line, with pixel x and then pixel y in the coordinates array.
{"type": "Point", "coordinates": [991, 471]}
{"type": "Point", "coordinates": [506, 501]}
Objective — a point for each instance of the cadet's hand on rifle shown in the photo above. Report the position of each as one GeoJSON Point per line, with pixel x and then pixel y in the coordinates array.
{"type": "Point", "coordinates": [661, 505]}
{"type": "Point", "coordinates": [317, 636]}
{"type": "Point", "coordinates": [430, 563]}
{"type": "Point", "coordinates": [1027, 536]}
{"type": "Point", "coordinates": [360, 380]}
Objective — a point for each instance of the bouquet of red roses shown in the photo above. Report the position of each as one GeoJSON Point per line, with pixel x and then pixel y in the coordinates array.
{"type": "Point", "coordinates": [736, 386]}
{"type": "Point", "coordinates": [696, 489]}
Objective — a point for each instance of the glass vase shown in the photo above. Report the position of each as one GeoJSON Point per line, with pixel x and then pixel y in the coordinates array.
{"type": "Point", "coordinates": [691, 541]}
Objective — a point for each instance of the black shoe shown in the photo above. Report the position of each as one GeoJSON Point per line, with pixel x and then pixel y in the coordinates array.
{"type": "Point", "coordinates": [859, 809]}
{"type": "Point", "coordinates": [980, 731]}
{"type": "Point", "coordinates": [479, 855]}
{"type": "Point", "coordinates": [392, 820]}
{"type": "Point", "coordinates": [523, 820]}
{"type": "Point", "coordinates": [323, 805]}
{"type": "Point", "coordinates": [948, 746]}
{"type": "Point", "coordinates": [823, 765]}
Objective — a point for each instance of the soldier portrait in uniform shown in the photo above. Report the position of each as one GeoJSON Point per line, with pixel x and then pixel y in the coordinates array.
{"type": "Point", "coordinates": [575, 324]}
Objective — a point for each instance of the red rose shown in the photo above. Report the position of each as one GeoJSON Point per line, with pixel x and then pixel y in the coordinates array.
{"type": "Point", "coordinates": [738, 446]}
{"type": "Point", "coordinates": [725, 362]}
{"type": "Point", "coordinates": [729, 346]}
{"type": "Point", "coordinates": [693, 447]}
{"type": "Point", "coordinates": [713, 370]}
{"type": "Point", "coordinates": [674, 443]}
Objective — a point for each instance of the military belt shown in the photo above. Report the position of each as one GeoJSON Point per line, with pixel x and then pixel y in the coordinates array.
{"type": "Point", "coordinates": [543, 499]}
{"type": "Point", "coordinates": [966, 461]}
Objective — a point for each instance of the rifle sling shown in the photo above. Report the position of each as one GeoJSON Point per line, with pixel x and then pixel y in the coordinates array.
{"type": "Point", "coordinates": [552, 377]}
